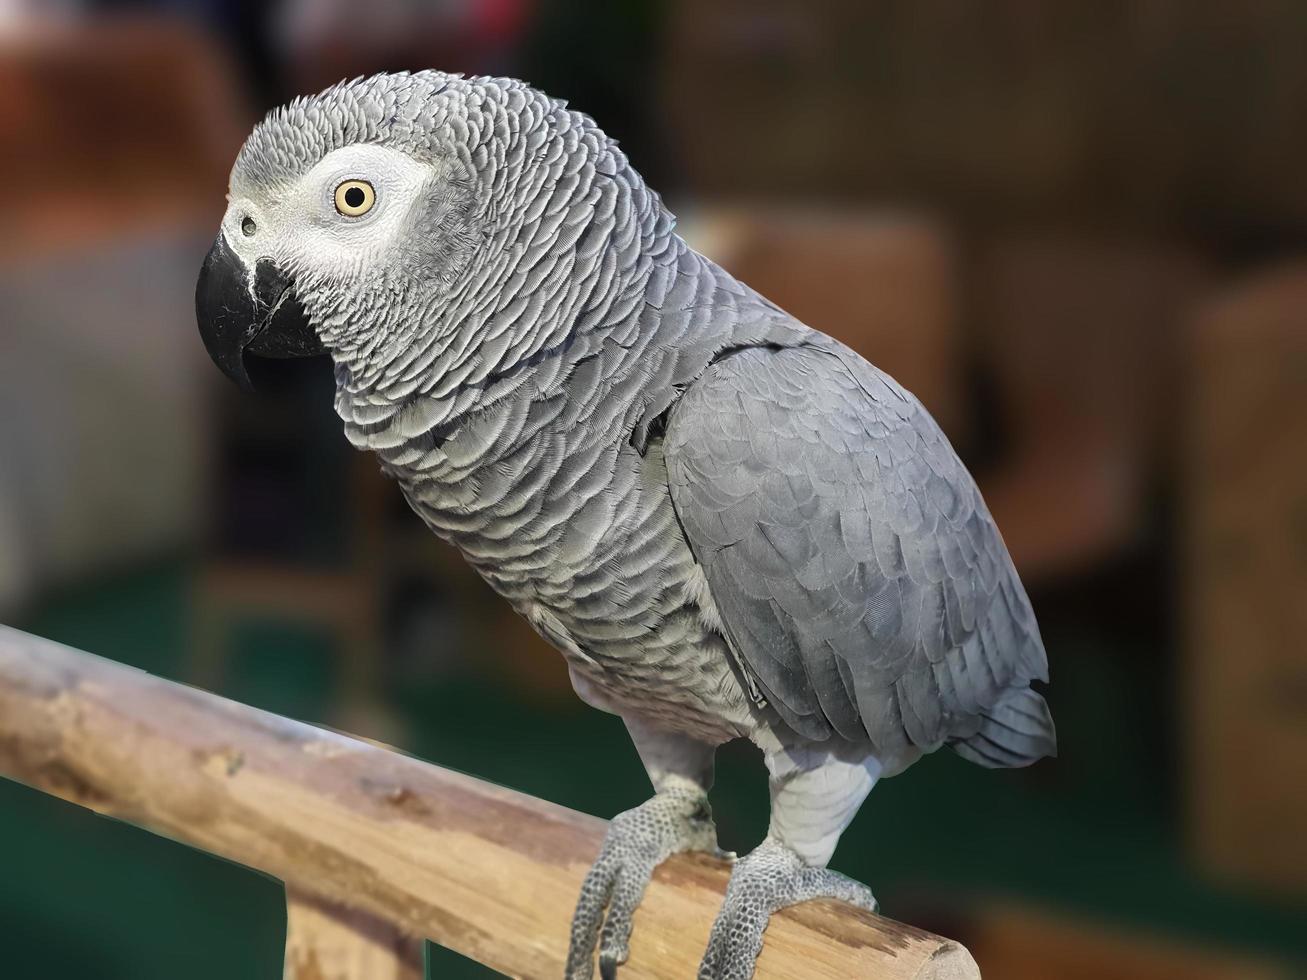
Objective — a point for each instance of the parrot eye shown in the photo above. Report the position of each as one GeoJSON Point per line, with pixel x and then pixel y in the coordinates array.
{"type": "Point", "coordinates": [355, 198]}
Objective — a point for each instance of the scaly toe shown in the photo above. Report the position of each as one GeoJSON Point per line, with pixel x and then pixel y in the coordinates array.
{"type": "Point", "coordinates": [615, 938]}
{"type": "Point", "coordinates": [771, 878]}
{"type": "Point", "coordinates": [824, 883]}
{"type": "Point", "coordinates": [637, 842]}
{"type": "Point", "coordinates": [588, 917]}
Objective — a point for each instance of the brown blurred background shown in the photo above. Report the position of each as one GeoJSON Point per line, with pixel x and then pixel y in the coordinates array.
{"type": "Point", "coordinates": [1078, 231]}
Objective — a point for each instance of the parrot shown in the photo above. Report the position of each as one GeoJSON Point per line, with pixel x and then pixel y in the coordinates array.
{"type": "Point", "coordinates": [730, 525]}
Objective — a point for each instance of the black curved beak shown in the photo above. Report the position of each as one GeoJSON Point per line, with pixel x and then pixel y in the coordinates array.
{"type": "Point", "coordinates": [238, 312]}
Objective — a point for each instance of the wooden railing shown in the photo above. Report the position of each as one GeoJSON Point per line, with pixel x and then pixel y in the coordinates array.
{"type": "Point", "coordinates": [378, 850]}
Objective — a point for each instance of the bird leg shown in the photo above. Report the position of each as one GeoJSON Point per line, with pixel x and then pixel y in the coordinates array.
{"type": "Point", "coordinates": [810, 809]}
{"type": "Point", "coordinates": [677, 818]}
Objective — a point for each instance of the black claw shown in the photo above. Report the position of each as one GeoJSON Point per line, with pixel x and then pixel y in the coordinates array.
{"type": "Point", "coordinates": [607, 969]}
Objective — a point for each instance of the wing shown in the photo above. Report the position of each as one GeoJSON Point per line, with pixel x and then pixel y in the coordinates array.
{"type": "Point", "coordinates": [859, 577]}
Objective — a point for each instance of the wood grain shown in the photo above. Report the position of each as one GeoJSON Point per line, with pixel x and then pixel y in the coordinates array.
{"type": "Point", "coordinates": [483, 870]}
{"type": "Point", "coordinates": [329, 941]}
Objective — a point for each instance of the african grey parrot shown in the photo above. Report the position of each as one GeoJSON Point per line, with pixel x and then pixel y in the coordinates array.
{"type": "Point", "coordinates": [730, 524]}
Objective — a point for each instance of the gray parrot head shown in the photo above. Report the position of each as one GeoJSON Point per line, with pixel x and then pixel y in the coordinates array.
{"type": "Point", "coordinates": [354, 214]}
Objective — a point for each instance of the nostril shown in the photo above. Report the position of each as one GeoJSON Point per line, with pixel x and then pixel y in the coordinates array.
{"type": "Point", "coordinates": [248, 227]}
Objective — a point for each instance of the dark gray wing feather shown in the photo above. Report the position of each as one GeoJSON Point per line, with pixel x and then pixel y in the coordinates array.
{"type": "Point", "coordinates": [858, 575]}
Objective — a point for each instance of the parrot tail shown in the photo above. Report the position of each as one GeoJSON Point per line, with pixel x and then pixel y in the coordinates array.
{"type": "Point", "coordinates": [1017, 731]}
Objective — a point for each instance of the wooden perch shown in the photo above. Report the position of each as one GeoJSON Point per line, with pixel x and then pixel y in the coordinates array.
{"type": "Point", "coordinates": [408, 848]}
{"type": "Point", "coordinates": [329, 940]}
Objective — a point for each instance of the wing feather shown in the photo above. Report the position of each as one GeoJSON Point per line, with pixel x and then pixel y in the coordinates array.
{"type": "Point", "coordinates": [858, 575]}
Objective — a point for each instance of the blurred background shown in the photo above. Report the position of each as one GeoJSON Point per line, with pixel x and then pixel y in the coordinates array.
{"type": "Point", "coordinates": [1078, 231]}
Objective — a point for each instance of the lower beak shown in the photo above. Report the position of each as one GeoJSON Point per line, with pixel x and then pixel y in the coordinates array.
{"type": "Point", "coordinates": [239, 310]}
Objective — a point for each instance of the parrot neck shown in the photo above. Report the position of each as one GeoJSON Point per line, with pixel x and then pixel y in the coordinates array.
{"type": "Point", "coordinates": [540, 295]}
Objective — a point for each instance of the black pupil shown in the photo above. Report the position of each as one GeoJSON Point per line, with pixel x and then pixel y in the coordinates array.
{"type": "Point", "coordinates": [354, 197]}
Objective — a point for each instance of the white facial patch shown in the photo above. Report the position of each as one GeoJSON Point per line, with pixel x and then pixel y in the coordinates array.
{"type": "Point", "coordinates": [302, 228]}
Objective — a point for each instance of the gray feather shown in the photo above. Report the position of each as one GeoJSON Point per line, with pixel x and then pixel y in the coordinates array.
{"type": "Point", "coordinates": [1015, 732]}
{"type": "Point", "coordinates": [857, 572]}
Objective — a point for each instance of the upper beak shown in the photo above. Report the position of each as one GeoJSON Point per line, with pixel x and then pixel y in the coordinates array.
{"type": "Point", "coordinates": [239, 311]}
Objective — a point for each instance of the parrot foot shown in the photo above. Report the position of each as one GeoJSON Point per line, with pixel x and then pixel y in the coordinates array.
{"type": "Point", "coordinates": [637, 842]}
{"type": "Point", "coordinates": [766, 880]}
